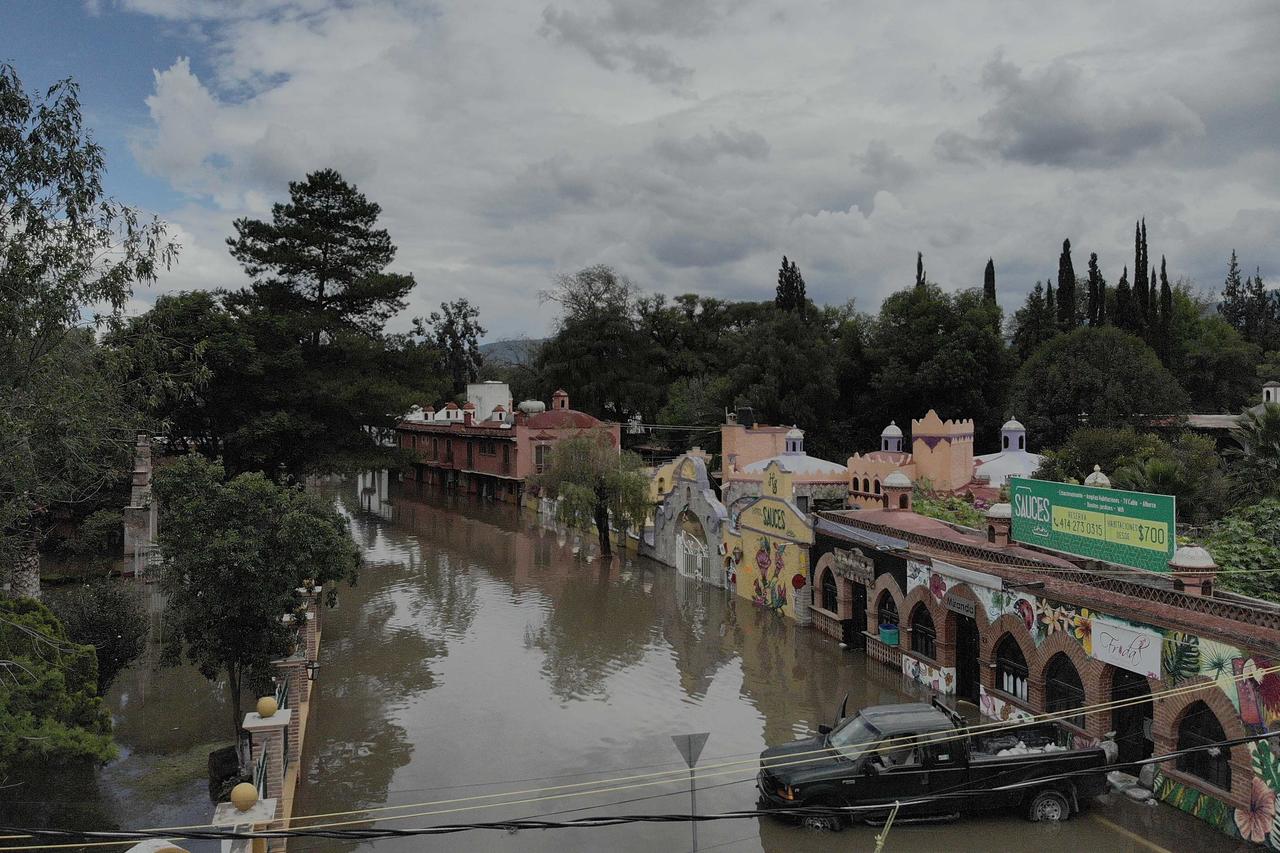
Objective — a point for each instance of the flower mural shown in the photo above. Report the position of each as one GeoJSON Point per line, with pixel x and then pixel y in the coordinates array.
{"type": "Point", "coordinates": [769, 589]}
{"type": "Point", "coordinates": [1254, 820]}
{"type": "Point", "coordinates": [1027, 611]}
{"type": "Point", "coordinates": [937, 585]}
{"type": "Point", "coordinates": [1082, 624]}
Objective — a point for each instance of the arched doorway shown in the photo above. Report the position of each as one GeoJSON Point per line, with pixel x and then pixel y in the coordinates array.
{"type": "Point", "coordinates": [1131, 717]}
{"type": "Point", "coordinates": [693, 557]}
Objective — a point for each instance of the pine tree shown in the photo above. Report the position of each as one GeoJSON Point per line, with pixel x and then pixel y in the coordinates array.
{"type": "Point", "coordinates": [1124, 303]}
{"type": "Point", "coordinates": [1153, 305]}
{"type": "Point", "coordinates": [1050, 301]}
{"type": "Point", "coordinates": [1140, 294]}
{"type": "Point", "coordinates": [1068, 319]}
{"type": "Point", "coordinates": [1259, 321]}
{"type": "Point", "coordinates": [920, 269]}
{"type": "Point", "coordinates": [1234, 304]}
{"type": "Point", "coordinates": [989, 282]}
{"type": "Point", "coordinates": [1097, 293]}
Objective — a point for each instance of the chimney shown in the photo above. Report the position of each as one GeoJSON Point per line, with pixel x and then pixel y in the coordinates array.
{"type": "Point", "coordinates": [999, 519]}
{"type": "Point", "coordinates": [560, 400]}
{"type": "Point", "coordinates": [1194, 571]}
{"type": "Point", "coordinates": [468, 413]}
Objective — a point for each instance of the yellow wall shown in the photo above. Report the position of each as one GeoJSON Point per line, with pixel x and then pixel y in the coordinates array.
{"type": "Point", "coordinates": [768, 546]}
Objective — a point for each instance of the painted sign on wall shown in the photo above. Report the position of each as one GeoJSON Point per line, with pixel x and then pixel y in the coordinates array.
{"type": "Point", "coordinates": [1128, 528]}
{"type": "Point", "coordinates": [1127, 647]}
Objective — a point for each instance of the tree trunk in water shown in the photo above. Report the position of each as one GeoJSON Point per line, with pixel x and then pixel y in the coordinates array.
{"type": "Point", "coordinates": [24, 581]}
{"type": "Point", "coordinates": [602, 526]}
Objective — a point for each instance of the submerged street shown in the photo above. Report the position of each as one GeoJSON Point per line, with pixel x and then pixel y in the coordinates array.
{"type": "Point", "coordinates": [479, 654]}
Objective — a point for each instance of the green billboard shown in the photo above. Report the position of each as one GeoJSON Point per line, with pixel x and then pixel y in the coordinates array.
{"type": "Point", "coordinates": [1128, 528]}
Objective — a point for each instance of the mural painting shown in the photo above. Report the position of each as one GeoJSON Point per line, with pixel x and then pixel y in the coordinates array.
{"type": "Point", "coordinates": [940, 679]}
{"type": "Point", "coordinates": [767, 544]}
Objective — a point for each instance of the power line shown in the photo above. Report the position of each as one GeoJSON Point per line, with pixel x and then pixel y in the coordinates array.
{"type": "Point", "coordinates": [77, 837]}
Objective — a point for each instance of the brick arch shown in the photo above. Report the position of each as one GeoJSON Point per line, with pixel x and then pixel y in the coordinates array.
{"type": "Point", "coordinates": [921, 595]}
{"type": "Point", "coordinates": [1090, 670]}
{"type": "Point", "coordinates": [1011, 623]}
{"type": "Point", "coordinates": [963, 590]}
{"type": "Point", "coordinates": [1169, 712]}
{"type": "Point", "coordinates": [884, 583]}
{"type": "Point", "coordinates": [826, 561]}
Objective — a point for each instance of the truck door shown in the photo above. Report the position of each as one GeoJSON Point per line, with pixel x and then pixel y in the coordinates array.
{"type": "Point", "coordinates": [947, 766]}
{"type": "Point", "coordinates": [902, 775]}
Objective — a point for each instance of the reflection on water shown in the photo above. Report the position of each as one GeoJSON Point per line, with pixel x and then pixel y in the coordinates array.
{"type": "Point", "coordinates": [480, 654]}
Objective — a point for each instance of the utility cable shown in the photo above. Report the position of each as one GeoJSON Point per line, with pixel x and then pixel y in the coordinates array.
{"type": "Point", "coordinates": [596, 821]}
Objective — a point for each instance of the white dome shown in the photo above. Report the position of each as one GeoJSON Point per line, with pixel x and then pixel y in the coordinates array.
{"type": "Point", "coordinates": [897, 480]}
{"type": "Point", "coordinates": [795, 432]}
{"type": "Point", "coordinates": [1012, 424]}
{"type": "Point", "coordinates": [1000, 511]}
{"type": "Point", "coordinates": [1097, 478]}
{"type": "Point", "coordinates": [892, 431]}
{"type": "Point", "coordinates": [1193, 557]}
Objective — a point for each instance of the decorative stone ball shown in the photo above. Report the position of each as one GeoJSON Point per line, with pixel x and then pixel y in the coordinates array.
{"type": "Point", "coordinates": [267, 706]}
{"type": "Point", "coordinates": [244, 796]}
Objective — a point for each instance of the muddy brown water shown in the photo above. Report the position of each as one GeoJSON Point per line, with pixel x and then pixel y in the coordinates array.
{"type": "Point", "coordinates": [479, 654]}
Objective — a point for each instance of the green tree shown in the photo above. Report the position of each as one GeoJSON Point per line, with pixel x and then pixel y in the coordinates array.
{"type": "Point", "coordinates": [456, 332]}
{"type": "Point", "coordinates": [1255, 459]}
{"type": "Point", "coordinates": [1166, 347]}
{"type": "Point", "coordinates": [1068, 317]}
{"type": "Point", "coordinates": [106, 615]}
{"type": "Point", "coordinates": [1246, 546]}
{"type": "Point", "coordinates": [1234, 305]}
{"type": "Point", "coordinates": [49, 703]}
{"type": "Point", "coordinates": [790, 295]}
{"type": "Point", "coordinates": [1110, 448]}
{"type": "Point", "coordinates": [596, 484]}
{"type": "Point", "coordinates": [1097, 376]}
{"type": "Point", "coordinates": [1188, 467]}
{"type": "Point", "coordinates": [1033, 324]}
{"type": "Point", "coordinates": [1097, 312]}
{"type": "Point", "coordinates": [1141, 290]}
{"type": "Point", "coordinates": [235, 553]}
{"type": "Point", "coordinates": [69, 257]}
{"type": "Point", "coordinates": [920, 275]}
{"type": "Point", "coordinates": [321, 260]}
{"type": "Point", "coordinates": [989, 282]}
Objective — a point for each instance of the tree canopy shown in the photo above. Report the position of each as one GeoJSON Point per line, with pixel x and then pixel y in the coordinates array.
{"type": "Point", "coordinates": [235, 553]}
{"type": "Point", "coordinates": [596, 485]}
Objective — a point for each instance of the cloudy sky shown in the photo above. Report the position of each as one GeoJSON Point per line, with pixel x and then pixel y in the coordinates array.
{"type": "Point", "coordinates": [690, 143]}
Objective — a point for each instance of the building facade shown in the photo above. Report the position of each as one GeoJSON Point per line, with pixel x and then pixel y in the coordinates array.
{"type": "Point", "coordinates": [1020, 632]}
{"type": "Point", "coordinates": [488, 448]}
{"type": "Point", "coordinates": [688, 521]}
{"type": "Point", "coordinates": [766, 548]}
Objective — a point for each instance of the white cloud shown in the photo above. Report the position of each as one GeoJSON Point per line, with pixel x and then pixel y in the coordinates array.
{"type": "Point", "coordinates": [691, 144]}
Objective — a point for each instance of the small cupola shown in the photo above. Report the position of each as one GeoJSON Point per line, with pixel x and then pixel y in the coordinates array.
{"type": "Point", "coordinates": [999, 519]}
{"type": "Point", "coordinates": [1013, 435]}
{"type": "Point", "coordinates": [891, 438]}
{"type": "Point", "coordinates": [560, 400]}
{"type": "Point", "coordinates": [1271, 392]}
{"type": "Point", "coordinates": [897, 491]}
{"type": "Point", "coordinates": [1194, 570]}
{"type": "Point", "coordinates": [1098, 479]}
{"type": "Point", "coordinates": [795, 441]}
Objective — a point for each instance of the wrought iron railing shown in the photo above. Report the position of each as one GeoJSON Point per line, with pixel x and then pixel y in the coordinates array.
{"type": "Point", "coordinates": [260, 775]}
{"type": "Point", "coordinates": [282, 693]}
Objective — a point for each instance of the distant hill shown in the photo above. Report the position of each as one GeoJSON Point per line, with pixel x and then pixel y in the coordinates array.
{"type": "Point", "coordinates": [514, 351]}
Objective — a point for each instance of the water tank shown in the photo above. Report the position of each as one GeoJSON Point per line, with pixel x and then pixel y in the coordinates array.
{"type": "Point", "coordinates": [532, 407]}
{"type": "Point", "coordinates": [746, 416]}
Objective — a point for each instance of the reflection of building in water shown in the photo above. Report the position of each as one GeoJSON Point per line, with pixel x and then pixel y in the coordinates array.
{"type": "Point", "coordinates": [487, 446]}
{"type": "Point", "coordinates": [374, 491]}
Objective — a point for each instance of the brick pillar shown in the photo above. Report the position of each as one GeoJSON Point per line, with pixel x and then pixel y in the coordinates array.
{"type": "Point", "coordinates": [295, 669]}
{"type": "Point", "coordinates": [267, 734]}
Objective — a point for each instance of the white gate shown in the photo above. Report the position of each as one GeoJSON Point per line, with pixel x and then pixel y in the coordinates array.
{"type": "Point", "coordinates": [693, 560]}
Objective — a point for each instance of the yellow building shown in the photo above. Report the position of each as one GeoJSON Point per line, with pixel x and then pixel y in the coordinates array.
{"type": "Point", "coordinates": [941, 452]}
{"type": "Point", "coordinates": [766, 546]}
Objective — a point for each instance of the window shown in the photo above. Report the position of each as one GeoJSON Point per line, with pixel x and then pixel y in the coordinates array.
{"type": "Point", "coordinates": [886, 610]}
{"type": "Point", "coordinates": [876, 484]}
{"type": "Point", "coordinates": [904, 502]}
{"type": "Point", "coordinates": [506, 456]}
{"type": "Point", "coordinates": [435, 447]}
{"type": "Point", "coordinates": [1005, 439]}
{"type": "Point", "coordinates": [540, 454]}
{"type": "Point", "coordinates": [924, 639]}
{"type": "Point", "coordinates": [1011, 668]}
{"type": "Point", "coordinates": [866, 485]}
{"type": "Point", "coordinates": [1022, 442]}
{"type": "Point", "coordinates": [1063, 690]}
{"type": "Point", "coordinates": [802, 503]}
{"type": "Point", "coordinates": [830, 597]}
{"type": "Point", "coordinates": [1200, 727]}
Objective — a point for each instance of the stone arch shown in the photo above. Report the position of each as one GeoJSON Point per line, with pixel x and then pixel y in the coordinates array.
{"type": "Point", "coordinates": [1011, 623]}
{"type": "Point", "coordinates": [963, 590]}
{"type": "Point", "coordinates": [1169, 712]}
{"type": "Point", "coordinates": [921, 595]}
{"type": "Point", "coordinates": [1092, 679]}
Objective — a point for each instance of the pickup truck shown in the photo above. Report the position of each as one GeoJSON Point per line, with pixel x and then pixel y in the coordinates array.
{"type": "Point", "coordinates": [925, 758]}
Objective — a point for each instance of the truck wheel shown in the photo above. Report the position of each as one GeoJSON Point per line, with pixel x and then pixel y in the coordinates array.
{"type": "Point", "coordinates": [823, 822]}
{"type": "Point", "coordinates": [1049, 806]}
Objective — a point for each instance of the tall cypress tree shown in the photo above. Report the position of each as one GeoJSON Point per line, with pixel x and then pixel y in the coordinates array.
{"type": "Point", "coordinates": [1068, 319]}
{"type": "Point", "coordinates": [1050, 302]}
{"type": "Point", "coordinates": [1258, 317]}
{"type": "Point", "coordinates": [989, 282]}
{"type": "Point", "coordinates": [920, 269]}
{"type": "Point", "coordinates": [1097, 293]}
{"type": "Point", "coordinates": [1153, 304]}
{"type": "Point", "coordinates": [1124, 303]}
{"type": "Point", "coordinates": [791, 294]}
{"type": "Point", "coordinates": [1166, 314]}
{"type": "Point", "coordinates": [1140, 295]}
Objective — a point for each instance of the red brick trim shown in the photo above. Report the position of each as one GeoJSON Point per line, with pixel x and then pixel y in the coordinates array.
{"type": "Point", "coordinates": [1169, 713]}
{"type": "Point", "coordinates": [1010, 623]}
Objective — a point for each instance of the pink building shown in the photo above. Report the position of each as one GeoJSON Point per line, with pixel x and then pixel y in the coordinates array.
{"type": "Point", "coordinates": [488, 447]}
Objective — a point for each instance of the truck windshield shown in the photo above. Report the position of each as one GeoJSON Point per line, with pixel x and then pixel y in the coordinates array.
{"type": "Point", "coordinates": [852, 737]}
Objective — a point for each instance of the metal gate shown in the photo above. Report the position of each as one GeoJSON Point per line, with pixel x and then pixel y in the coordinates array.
{"type": "Point", "coordinates": [693, 559]}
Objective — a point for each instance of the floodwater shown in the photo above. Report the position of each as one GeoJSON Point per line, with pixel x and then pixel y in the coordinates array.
{"type": "Point", "coordinates": [480, 655]}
